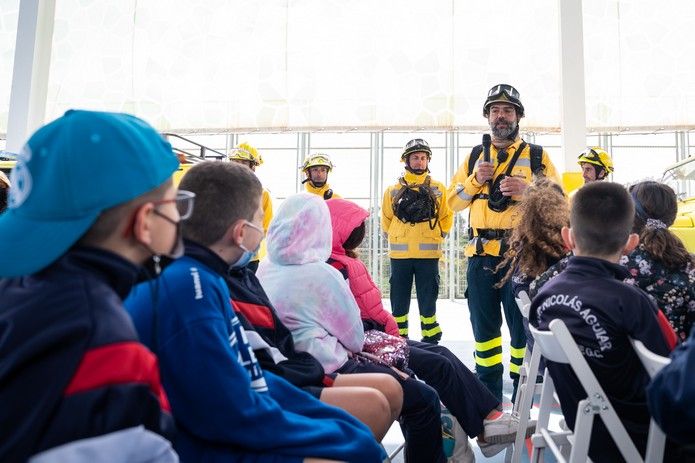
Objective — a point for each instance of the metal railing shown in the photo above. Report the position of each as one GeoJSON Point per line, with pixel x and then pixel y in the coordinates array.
{"type": "Point", "coordinates": [668, 147]}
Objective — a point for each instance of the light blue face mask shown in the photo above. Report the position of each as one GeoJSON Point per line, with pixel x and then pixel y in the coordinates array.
{"type": "Point", "coordinates": [248, 255]}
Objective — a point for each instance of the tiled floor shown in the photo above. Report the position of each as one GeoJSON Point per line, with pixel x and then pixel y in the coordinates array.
{"type": "Point", "coordinates": [458, 337]}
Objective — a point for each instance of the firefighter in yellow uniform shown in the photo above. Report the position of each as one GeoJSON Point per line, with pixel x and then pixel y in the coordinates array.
{"type": "Point", "coordinates": [316, 168]}
{"type": "Point", "coordinates": [596, 164]}
{"type": "Point", "coordinates": [489, 183]}
{"type": "Point", "coordinates": [416, 218]}
{"type": "Point", "coordinates": [248, 155]}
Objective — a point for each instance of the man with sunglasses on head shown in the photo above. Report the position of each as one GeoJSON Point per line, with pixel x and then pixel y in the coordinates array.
{"type": "Point", "coordinates": [92, 200]}
{"type": "Point", "coordinates": [489, 183]}
{"type": "Point", "coordinates": [416, 218]}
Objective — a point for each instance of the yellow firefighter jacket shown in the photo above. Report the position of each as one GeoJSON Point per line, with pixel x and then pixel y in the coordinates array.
{"type": "Point", "coordinates": [416, 241]}
{"type": "Point", "coordinates": [267, 205]}
{"type": "Point", "coordinates": [464, 191]}
{"type": "Point", "coordinates": [320, 191]}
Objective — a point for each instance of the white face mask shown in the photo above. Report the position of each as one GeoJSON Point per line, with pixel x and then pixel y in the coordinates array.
{"type": "Point", "coordinates": [248, 255]}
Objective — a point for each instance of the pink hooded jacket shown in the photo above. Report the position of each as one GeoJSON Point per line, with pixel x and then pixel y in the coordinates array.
{"type": "Point", "coordinates": [345, 217]}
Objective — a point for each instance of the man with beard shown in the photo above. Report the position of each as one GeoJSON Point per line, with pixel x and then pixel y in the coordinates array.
{"type": "Point", "coordinates": [416, 218]}
{"type": "Point", "coordinates": [489, 182]}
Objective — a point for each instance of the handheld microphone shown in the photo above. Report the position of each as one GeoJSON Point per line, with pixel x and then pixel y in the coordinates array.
{"type": "Point", "coordinates": [487, 141]}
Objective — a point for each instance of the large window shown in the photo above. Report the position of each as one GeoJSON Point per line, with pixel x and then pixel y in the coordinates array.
{"type": "Point", "coordinates": [368, 162]}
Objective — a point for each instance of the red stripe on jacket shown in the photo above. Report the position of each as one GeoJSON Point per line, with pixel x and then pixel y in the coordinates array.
{"type": "Point", "coordinates": [118, 363]}
{"type": "Point", "coordinates": [258, 315]}
{"type": "Point", "coordinates": [667, 330]}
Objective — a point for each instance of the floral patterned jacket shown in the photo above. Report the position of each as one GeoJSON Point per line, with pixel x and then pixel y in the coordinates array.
{"type": "Point", "coordinates": [673, 292]}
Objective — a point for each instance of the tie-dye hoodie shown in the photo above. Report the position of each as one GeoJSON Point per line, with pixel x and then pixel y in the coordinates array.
{"type": "Point", "coordinates": [312, 298]}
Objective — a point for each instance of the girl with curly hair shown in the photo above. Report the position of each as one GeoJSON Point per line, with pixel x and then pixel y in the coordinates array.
{"type": "Point", "coordinates": [535, 243]}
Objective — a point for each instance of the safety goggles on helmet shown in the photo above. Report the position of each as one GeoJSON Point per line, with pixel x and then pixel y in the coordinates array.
{"type": "Point", "coordinates": [417, 145]}
{"type": "Point", "coordinates": [597, 157]}
{"type": "Point", "coordinates": [503, 93]}
{"type": "Point", "coordinates": [318, 159]}
{"type": "Point", "coordinates": [246, 153]}
{"type": "Point", "coordinates": [498, 89]}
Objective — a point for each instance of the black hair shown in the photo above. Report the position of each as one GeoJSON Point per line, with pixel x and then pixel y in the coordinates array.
{"type": "Point", "coordinates": [601, 218]}
{"type": "Point", "coordinates": [657, 201]}
{"type": "Point", "coordinates": [354, 240]}
{"type": "Point", "coordinates": [224, 193]}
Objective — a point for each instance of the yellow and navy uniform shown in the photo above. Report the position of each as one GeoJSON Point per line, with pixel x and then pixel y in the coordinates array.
{"type": "Point", "coordinates": [489, 230]}
{"type": "Point", "coordinates": [267, 205]}
{"type": "Point", "coordinates": [310, 188]}
{"type": "Point", "coordinates": [415, 250]}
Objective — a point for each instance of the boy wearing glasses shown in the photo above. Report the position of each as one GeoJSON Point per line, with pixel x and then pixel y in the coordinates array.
{"type": "Point", "coordinates": [92, 200]}
{"type": "Point", "coordinates": [416, 218]}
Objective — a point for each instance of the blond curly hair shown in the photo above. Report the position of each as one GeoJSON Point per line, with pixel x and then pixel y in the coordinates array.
{"type": "Point", "coordinates": [536, 240]}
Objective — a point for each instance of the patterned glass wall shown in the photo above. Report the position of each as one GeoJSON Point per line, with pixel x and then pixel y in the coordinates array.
{"type": "Point", "coordinates": [215, 65]}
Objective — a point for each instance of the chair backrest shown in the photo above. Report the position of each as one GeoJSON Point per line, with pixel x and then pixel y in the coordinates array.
{"type": "Point", "coordinates": [656, 440]}
{"type": "Point", "coordinates": [559, 346]}
{"type": "Point", "coordinates": [549, 345]}
{"type": "Point", "coordinates": [652, 362]}
{"type": "Point", "coordinates": [524, 303]}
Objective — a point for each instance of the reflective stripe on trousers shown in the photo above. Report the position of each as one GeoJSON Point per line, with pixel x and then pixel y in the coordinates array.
{"type": "Point", "coordinates": [489, 353]}
{"type": "Point", "coordinates": [431, 331]}
{"type": "Point", "coordinates": [516, 358]}
{"type": "Point", "coordinates": [402, 323]}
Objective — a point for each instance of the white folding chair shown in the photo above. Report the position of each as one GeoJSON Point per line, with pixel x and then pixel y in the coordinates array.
{"type": "Point", "coordinates": [393, 454]}
{"type": "Point", "coordinates": [652, 363]}
{"type": "Point", "coordinates": [557, 345]}
{"type": "Point", "coordinates": [527, 387]}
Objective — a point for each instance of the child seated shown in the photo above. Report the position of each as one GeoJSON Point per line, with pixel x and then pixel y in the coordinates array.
{"type": "Point", "coordinates": [89, 194]}
{"type": "Point", "coordinates": [602, 313]}
{"type": "Point", "coordinates": [374, 399]}
{"type": "Point", "coordinates": [535, 243]}
{"type": "Point", "coordinates": [473, 405]}
{"type": "Point", "coordinates": [315, 303]}
{"type": "Point", "coordinates": [226, 406]}
{"type": "Point", "coordinates": [661, 265]}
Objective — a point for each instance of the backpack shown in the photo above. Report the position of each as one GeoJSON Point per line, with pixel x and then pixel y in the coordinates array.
{"type": "Point", "coordinates": [416, 203]}
{"type": "Point", "coordinates": [536, 158]}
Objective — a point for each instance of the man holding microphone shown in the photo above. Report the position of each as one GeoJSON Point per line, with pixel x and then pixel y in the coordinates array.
{"type": "Point", "coordinates": [490, 185]}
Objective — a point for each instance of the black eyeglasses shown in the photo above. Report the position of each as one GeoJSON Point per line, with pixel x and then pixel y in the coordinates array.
{"type": "Point", "coordinates": [504, 88]}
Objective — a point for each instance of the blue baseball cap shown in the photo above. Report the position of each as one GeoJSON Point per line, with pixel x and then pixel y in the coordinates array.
{"type": "Point", "coordinates": [68, 173]}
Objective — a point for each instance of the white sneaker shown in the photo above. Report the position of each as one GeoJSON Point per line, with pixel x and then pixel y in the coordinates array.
{"type": "Point", "coordinates": [503, 428]}
{"type": "Point", "coordinates": [489, 449]}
